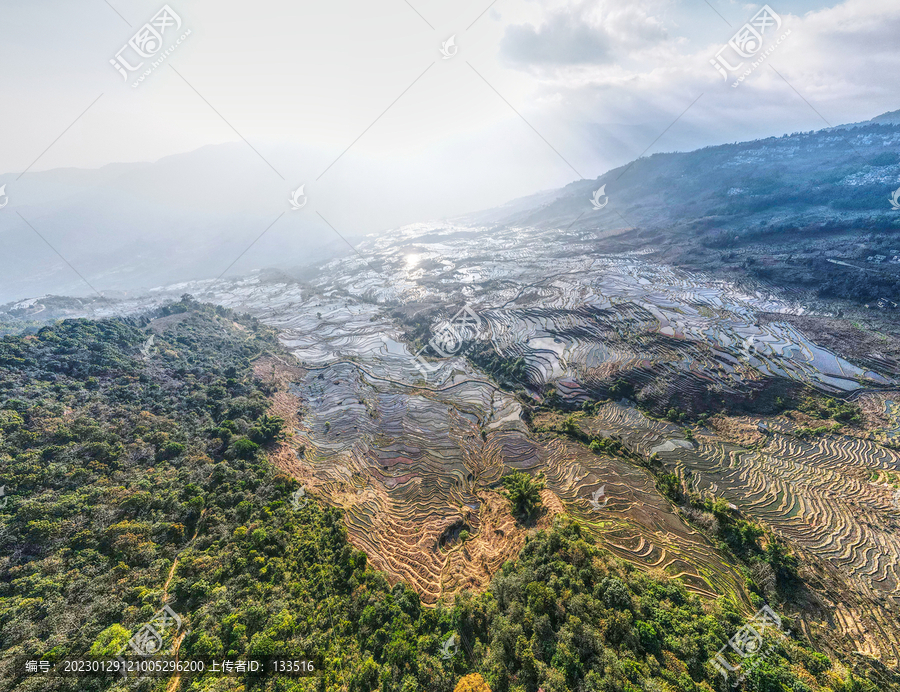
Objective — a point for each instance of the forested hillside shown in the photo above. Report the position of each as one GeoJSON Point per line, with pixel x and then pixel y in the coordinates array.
{"type": "Point", "coordinates": [136, 475]}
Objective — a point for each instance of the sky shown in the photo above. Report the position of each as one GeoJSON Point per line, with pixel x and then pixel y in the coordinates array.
{"type": "Point", "coordinates": [355, 100]}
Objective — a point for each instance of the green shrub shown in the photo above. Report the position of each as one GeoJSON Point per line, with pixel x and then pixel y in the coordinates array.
{"type": "Point", "coordinates": [245, 448]}
{"type": "Point", "coordinates": [524, 494]}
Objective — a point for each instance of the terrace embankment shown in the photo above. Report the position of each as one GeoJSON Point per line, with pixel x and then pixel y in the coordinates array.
{"type": "Point", "coordinates": [413, 449]}
{"type": "Point", "coordinates": [416, 472]}
{"type": "Point", "coordinates": [419, 491]}
{"type": "Point", "coordinates": [823, 494]}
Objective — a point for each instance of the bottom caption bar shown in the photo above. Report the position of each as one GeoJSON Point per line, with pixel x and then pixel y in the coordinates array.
{"type": "Point", "coordinates": [166, 666]}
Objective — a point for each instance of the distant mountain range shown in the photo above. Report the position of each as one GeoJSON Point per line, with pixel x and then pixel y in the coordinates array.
{"type": "Point", "coordinates": [129, 227]}
{"type": "Point", "coordinates": [810, 210]}
{"type": "Point", "coordinates": [837, 176]}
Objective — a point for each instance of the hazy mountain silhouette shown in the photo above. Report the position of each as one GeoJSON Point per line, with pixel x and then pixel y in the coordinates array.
{"type": "Point", "coordinates": [129, 227]}
{"type": "Point", "coordinates": [719, 195]}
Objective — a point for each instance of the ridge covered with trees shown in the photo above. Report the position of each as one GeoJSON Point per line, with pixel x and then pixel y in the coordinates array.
{"type": "Point", "coordinates": [137, 475]}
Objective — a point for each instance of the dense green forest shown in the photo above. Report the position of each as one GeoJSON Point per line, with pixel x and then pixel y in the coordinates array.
{"type": "Point", "coordinates": [136, 474]}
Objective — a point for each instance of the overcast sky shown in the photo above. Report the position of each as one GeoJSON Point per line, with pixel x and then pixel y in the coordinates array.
{"type": "Point", "coordinates": [598, 82]}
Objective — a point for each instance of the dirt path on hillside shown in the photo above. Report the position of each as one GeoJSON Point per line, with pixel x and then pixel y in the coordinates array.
{"type": "Point", "coordinates": [175, 680]}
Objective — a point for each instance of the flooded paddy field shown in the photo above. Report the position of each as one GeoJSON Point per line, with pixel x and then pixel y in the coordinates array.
{"type": "Point", "coordinates": [411, 440]}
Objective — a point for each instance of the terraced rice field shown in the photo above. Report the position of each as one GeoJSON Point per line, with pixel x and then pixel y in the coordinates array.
{"type": "Point", "coordinates": [414, 456]}
{"type": "Point", "coordinates": [815, 493]}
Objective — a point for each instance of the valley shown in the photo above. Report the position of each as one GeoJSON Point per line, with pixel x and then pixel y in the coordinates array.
{"type": "Point", "coordinates": [412, 450]}
{"type": "Point", "coordinates": [703, 395]}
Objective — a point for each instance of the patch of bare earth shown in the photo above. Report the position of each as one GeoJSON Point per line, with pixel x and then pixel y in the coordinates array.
{"type": "Point", "coordinates": [741, 430]}
{"type": "Point", "coordinates": [287, 454]}
{"type": "Point", "coordinates": [471, 564]}
{"type": "Point", "coordinates": [161, 324]}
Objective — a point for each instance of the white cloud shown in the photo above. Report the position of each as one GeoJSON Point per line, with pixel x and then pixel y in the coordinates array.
{"type": "Point", "coordinates": [583, 33]}
{"type": "Point", "coordinates": [600, 81]}
{"type": "Point", "coordinates": [643, 72]}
